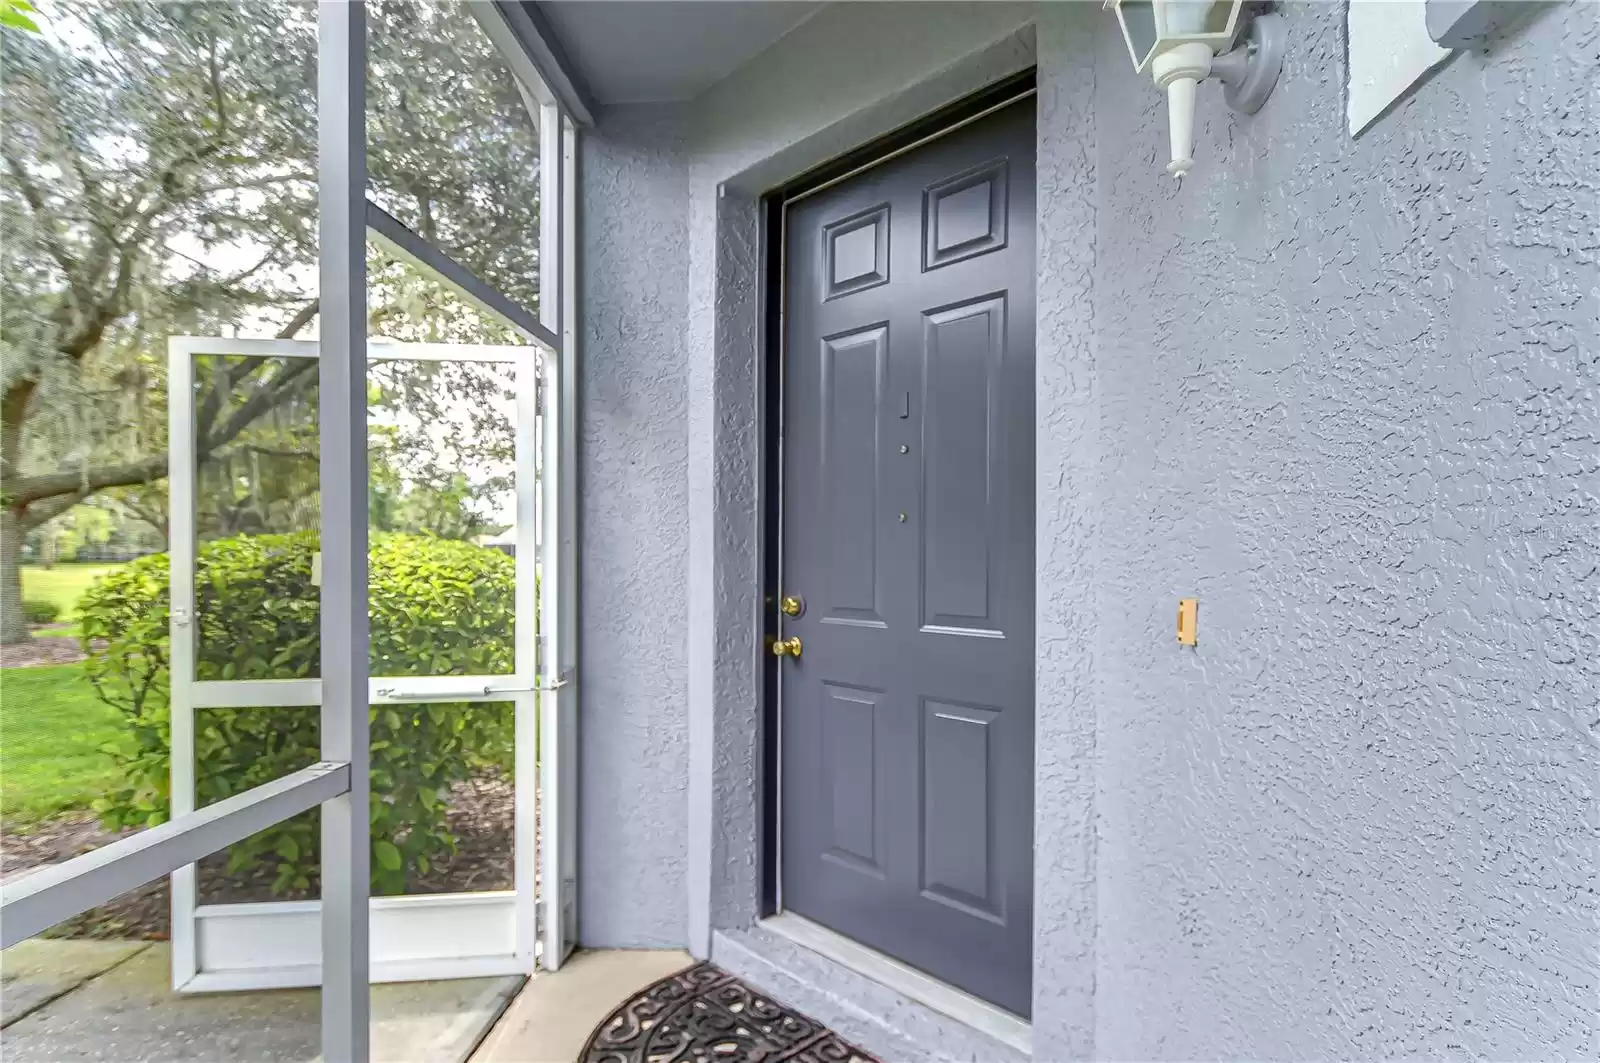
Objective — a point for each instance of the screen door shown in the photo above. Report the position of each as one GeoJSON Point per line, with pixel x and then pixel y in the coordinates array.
{"type": "Point", "coordinates": [453, 587]}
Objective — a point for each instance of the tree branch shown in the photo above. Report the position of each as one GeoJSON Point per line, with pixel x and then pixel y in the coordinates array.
{"type": "Point", "coordinates": [90, 183]}
{"type": "Point", "coordinates": [254, 182]}
{"type": "Point", "coordinates": [86, 331]}
{"type": "Point", "coordinates": [274, 452]}
{"type": "Point", "coordinates": [70, 486]}
{"type": "Point", "coordinates": [267, 395]}
{"type": "Point", "coordinates": [212, 406]}
{"type": "Point", "coordinates": [219, 101]}
{"type": "Point", "coordinates": [151, 515]}
{"type": "Point", "coordinates": [41, 211]}
{"type": "Point", "coordinates": [36, 515]}
{"type": "Point", "coordinates": [245, 274]}
{"type": "Point", "coordinates": [301, 319]}
{"type": "Point", "coordinates": [66, 488]}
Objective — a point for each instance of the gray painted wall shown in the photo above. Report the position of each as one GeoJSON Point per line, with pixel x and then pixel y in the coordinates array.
{"type": "Point", "coordinates": [634, 531]}
{"type": "Point", "coordinates": [1345, 392]}
{"type": "Point", "coordinates": [1066, 466]}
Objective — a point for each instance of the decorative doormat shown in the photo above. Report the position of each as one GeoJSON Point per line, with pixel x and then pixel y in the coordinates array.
{"type": "Point", "coordinates": [705, 1015]}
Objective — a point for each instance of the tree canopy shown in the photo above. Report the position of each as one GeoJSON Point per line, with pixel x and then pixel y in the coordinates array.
{"type": "Point", "coordinates": [160, 178]}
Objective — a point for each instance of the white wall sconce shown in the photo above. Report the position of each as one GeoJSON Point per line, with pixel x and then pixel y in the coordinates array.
{"type": "Point", "coordinates": [1183, 42]}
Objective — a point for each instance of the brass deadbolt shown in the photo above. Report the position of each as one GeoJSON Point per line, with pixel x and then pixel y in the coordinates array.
{"type": "Point", "coordinates": [789, 647]}
{"type": "Point", "coordinates": [792, 606]}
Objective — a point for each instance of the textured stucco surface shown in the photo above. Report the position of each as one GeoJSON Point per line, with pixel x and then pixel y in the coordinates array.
{"type": "Point", "coordinates": [1345, 393]}
{"type": "Point", "coordinates": [1067, 539]}
{"type": "Point", "coordinates": [634, 528]}
{"type": "Point", "coordinates": [723, 574]}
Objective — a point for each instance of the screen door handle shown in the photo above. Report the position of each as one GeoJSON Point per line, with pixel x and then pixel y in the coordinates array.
{"type": "Point", "coordinates": [437, 695]}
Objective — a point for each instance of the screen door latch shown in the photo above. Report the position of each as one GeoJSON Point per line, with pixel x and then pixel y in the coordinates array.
{"type": "Point", "coordinates": [562, 680]}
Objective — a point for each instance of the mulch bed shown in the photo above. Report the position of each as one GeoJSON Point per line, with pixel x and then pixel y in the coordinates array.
{"type": "Point", "coordinates": [43, 649]}
{"type": "Point", "coordinates": [481, 816]}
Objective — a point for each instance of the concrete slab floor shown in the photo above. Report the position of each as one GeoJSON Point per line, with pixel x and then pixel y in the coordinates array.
{"type": "Point", "coordinates": [37, 971]}
{"type": "Point", "coordinates": [551, 1019]}
{"type": "Point", "coordinates": [129, 1014]}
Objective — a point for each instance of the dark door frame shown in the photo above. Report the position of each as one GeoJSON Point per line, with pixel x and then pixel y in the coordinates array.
{"type": "Point", "coordinates": [771, 286]}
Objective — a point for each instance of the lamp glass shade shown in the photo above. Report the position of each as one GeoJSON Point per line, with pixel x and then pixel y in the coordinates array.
{"type": "Point", "coordinates": [1150, 26]}
{"type": "Point", "coordinates": [1194, 19]}
{"type": "Point", "coordinates": [1204, 21]}
{"type": "Point", "coordinates": [1138, 18]}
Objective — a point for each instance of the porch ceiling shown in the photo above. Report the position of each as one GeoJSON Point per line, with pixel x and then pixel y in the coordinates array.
{"type": "Point", "coordinates": [646, 51]}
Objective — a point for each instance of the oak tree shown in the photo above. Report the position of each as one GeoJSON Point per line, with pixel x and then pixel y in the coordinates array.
{"type": "Point", "coordinates": [159, 178]}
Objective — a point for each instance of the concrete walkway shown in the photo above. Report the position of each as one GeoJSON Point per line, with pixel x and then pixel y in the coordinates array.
{"type": "Point", "coordinates": [94, 1001]}
{"type": "Point", "coordinates": [553, 1016]}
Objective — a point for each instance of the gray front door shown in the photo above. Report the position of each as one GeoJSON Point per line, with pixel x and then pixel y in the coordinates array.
{"type": "Point", "coordinates": [906, 741]}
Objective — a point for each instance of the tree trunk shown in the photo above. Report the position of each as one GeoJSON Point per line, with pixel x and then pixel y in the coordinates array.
{"type": "Point", "coordinates": [13, 624]}
{"type": "Point", "coordinates": [13, 407]}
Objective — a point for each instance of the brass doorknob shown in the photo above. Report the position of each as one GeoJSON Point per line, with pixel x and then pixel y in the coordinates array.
{"type": "Point", "coordinates": [789, 647]}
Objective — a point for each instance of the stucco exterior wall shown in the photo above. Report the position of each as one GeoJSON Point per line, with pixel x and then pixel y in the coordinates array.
{"type": "Point", "coordinates": [1342, 391]}
{"type": "Point", "coordinates": [1067, 539]}
{"type": "Point", "coordinates": [634, 531]}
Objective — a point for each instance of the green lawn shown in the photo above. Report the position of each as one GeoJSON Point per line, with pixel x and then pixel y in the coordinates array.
{"type": "Point", "coordinates": [51, 730]}
{"type": "Point", "coordinates": [62, 584]}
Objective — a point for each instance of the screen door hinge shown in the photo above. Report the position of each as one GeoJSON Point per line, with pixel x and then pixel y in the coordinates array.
{"type": "Point", "coordinates": [538, 396]}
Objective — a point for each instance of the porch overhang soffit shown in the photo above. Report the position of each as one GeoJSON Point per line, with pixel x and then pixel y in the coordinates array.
{"type": "Point", "coordinates": [594, 53]}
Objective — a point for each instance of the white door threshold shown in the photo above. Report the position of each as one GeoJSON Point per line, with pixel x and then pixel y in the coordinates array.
{"type": "Point", "coordinates": [909, 982]}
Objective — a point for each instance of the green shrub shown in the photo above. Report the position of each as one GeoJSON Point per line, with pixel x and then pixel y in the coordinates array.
{"type": "Point", "coordinates": [40, 611]}
{"type": "Point", "coordinates": [437, 607]}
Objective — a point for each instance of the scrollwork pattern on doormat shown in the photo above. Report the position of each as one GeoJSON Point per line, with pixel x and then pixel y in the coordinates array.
{"type": "Point", "coordinates": [705, 1015]}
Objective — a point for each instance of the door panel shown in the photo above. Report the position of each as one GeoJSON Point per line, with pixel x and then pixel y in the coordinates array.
{"type": "Point", "coordinates": [852, 368]}
{"type": "Point", "coordinates": [850, 775]}
{"type": "Point", "coordinates": [958, 775]}
{"type": "Point", "coordinates": [906, 734]}
{"type": "Point", "coordinates": [857, 252]}
{"type": "Point", "coordinates": [961, 363]}
{"type": "Point", "coordinates": [966, 215]}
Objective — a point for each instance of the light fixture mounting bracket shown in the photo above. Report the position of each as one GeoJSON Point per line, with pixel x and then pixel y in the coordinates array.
{"type": "Point", "coordinates": [1250, 71]}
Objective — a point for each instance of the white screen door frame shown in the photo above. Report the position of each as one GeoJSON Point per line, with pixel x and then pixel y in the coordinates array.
{"type": "Point", "coordinates": [277, 944]}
